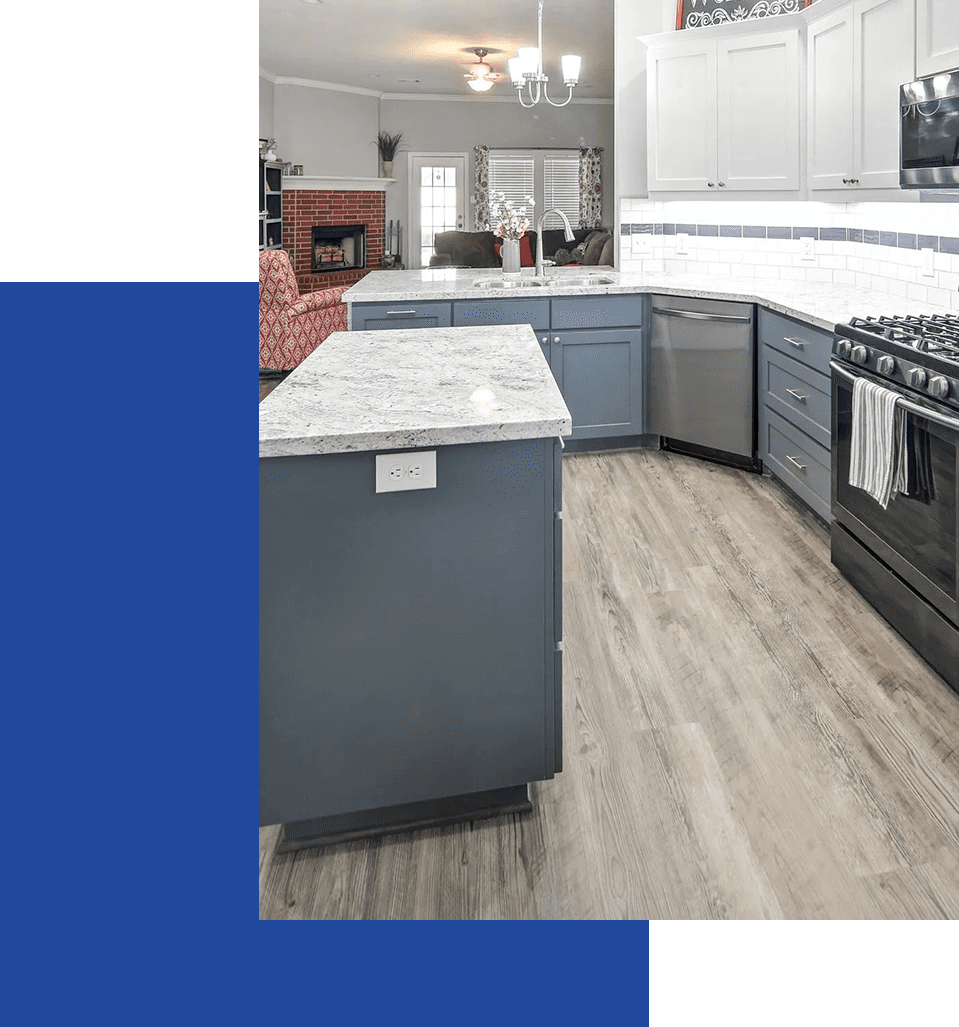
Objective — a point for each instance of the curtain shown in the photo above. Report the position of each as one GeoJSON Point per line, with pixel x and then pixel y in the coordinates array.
{"type": "Point", "coordinates": [590, 187]}
{"type": "Point", "coordinates": [481, 188]}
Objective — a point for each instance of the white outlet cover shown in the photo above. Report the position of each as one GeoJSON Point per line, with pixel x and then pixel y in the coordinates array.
{"type": "Point", "coordinates": [808, 251]}
{"type": "Point", "coordinates": [927, 266]}
{"type": "Point", "coordinates": [402, 472]}
{"type": "Point", "coordinates": [682, 244]}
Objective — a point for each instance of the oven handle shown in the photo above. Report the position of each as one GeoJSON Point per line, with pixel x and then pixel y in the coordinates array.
{"type": "Point", "coordinates": [915, 408]}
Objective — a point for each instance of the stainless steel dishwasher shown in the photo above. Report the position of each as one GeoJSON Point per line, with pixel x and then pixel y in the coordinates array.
{"type": "Point", "coordinates": [702, 378]}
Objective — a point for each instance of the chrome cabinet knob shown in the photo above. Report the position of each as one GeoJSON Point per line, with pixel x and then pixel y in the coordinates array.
{"type": "Point", "coordinates": [938, 386]}
{"type": "Point", "coordinates": [916, 377]}
{"type": "Point", "coordinates": [843, 348]}
{"type": "Point", "coordinates": [885, 364]}
{"type": "Point", "coordinates": [859, 354]}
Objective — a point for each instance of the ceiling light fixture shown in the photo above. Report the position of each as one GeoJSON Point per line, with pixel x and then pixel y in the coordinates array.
{"type": "Point", "coordinates": [480, 78]}
{"type": "Point", "coordinates": [527, 70]}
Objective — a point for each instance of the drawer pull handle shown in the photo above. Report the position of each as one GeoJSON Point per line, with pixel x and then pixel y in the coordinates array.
{"type": "Point", "coordinates": [400, 312]}
{"type": "Point", "coordinates": [794, 393]}
{"type": "Point", "coordinates": [798, 343]}
{"type": "Point", "coordinates": [793, 460]}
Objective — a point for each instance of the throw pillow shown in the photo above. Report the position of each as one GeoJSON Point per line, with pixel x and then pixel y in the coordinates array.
{"type": "Point", "coordinates": [525, 252]}
{"type": "Point", "coordinates": [594, 247]}
{"type": "Point", "coordinates": [606, 257]}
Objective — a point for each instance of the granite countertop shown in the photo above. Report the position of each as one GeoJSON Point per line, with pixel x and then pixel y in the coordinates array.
{"type": "Point", "coordinates": [820, 304]}
{"type": "Point", "coordinates": [403, 389]}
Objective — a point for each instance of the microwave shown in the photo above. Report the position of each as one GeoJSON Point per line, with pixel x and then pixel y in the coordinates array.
{"type": "Point", "coordinates": [929, 133]}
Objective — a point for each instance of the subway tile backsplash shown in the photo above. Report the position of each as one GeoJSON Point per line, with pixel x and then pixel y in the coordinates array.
{"type": "Point", "coordinates": [875, 246]}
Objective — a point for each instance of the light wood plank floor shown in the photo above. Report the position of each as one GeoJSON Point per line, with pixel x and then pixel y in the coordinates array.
{"type": "Point", "coordinates": [744, 737]}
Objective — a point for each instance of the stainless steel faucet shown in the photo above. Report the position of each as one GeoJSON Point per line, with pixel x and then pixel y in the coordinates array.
{"type": "Point", "coordinates": [540, 273]}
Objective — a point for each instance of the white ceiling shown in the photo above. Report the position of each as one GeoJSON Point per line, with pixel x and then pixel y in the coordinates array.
{"type": "Point", "coordinates": [381, 44]}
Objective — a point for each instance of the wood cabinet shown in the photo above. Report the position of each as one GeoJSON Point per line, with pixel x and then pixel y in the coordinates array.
{"type": "Point", "coordinates": [271, 205]}
{"type": "Point", "coordinates": [937, 36]}
{"type": "Point", "coordinates": [857, 56]}
{"type": "Point", "coordinates": [723, 113]}
{"type": "Point", "coordinates": [794, 407]}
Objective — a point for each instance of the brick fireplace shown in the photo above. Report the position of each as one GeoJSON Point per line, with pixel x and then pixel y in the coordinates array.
{"type": "Point", "coordinates": [305, 209]}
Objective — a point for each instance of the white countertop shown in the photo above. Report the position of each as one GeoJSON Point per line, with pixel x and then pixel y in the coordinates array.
{"type": "Point", "coordinates": [403, 389]}
{"type": "Point", "coordinates": [819, 304]}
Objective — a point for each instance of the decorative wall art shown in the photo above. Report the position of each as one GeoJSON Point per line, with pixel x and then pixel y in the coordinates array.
{"type": "Point", "coordinates": [691, 14]}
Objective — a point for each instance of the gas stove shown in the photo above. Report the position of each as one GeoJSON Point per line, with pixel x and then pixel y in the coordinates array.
{"type": "Point", "coordinates": [919, 353]}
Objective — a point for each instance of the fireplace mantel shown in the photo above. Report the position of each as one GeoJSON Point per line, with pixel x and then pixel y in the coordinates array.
{"type": "Point", "coordinates": [373, 185]}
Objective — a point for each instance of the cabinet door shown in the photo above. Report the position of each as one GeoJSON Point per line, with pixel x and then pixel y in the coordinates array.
{"type": "Point", "coordinates": [829, 56]}
{"type": "Point", "coordinates": [758, 112]}
{"type": "Point", "coordinates": [599, 372]}
{"type": "Point", "coordinates": [937, 36]}
{"type": "Point", "coordinates": [681, 109]}
{"type": "Point", "coordinates": [885, 41]}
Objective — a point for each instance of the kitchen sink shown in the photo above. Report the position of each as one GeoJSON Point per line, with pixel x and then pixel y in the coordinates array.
{"type": "Point", "coordinates": [553, 282]}
{"type": "Point", "coordinates": [507, 283]}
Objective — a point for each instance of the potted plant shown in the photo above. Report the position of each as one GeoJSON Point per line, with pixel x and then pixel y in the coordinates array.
{"type": "Point", "coordinates": [388, 143]}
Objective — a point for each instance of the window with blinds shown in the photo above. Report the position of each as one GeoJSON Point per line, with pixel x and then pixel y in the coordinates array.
{"type": "Point", "coordinates": [551, 178]}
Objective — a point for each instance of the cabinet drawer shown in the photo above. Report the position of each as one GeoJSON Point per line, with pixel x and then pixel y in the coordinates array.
{"type": "Point", "coordinates": [598, 311]}
{"type": "Point", "coordinates": [798, 393]}
{"type": "Point", "coordinates": [484, 311]}
{"type": "Point", "coordinates": [802, 464]}
{"type": "Point", "coordinates": [802, 342]}
{"type": "Point", "coordinates": [375, 316]}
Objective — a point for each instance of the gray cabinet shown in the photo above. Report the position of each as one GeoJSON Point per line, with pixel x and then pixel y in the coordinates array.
{"type": "Point", "coordinates": [794, 407]}
{"type": "Point", "coordinates": [593, 345]}
{"type": "Point", "coordinates": [366, 317]}
{"type": "Point", "coordinates": [410, 639]}
{"type": "Point", "coordinates": [599, 372]}
{"type": "Point", "coordinates": [271, 205]}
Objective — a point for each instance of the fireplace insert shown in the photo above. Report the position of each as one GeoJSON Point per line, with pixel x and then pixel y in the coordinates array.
{"type": "Point", "coordinates": [337, 248]}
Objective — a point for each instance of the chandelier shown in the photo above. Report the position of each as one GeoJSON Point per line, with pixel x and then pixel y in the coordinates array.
{"type": "Point", "coordinates": [527, 70]}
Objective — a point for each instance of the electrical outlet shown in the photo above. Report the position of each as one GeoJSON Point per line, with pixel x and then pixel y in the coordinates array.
{"type": "Point", "coordinates": [807, 252]}
{"type": "Point", "coordinates": [642, 244]}
{"type": "Point", "coordinates": [682, 244]}
{"type": "Point", "coordinates": [927, 267]}
{"type": "Point", "coordinates": [400, 472]}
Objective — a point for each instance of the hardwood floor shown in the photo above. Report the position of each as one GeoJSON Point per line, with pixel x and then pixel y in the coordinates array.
{"type": "Point", "coordinates": [744, 737]}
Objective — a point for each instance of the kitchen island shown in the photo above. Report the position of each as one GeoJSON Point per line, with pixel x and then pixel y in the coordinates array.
{"type": "Point", "coordinates": [411, 619]}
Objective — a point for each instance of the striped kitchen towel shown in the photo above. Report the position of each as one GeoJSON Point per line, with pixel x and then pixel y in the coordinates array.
{"type": "Point", "coordinates": [879, 459]}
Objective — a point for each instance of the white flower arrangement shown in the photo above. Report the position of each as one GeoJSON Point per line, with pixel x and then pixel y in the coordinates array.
{"type": "Point", "coordinates": [511, 224]}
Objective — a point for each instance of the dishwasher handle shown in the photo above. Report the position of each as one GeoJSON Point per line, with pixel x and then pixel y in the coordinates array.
{"type": "Point", "coordinates": [696, 316]}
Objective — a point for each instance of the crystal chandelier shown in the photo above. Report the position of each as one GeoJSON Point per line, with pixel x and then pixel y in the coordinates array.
{"type": "Point", "coordinates": [527, 70]}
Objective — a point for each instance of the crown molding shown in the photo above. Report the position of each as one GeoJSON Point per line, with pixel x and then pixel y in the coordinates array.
{"type": "Point", "coordinates": [332, 86]}
{"type": "Point", "coordinates": [473, 98]}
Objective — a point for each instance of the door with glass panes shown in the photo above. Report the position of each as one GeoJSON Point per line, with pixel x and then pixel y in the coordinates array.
{"type": "Point", "coordinates": [437, 201]}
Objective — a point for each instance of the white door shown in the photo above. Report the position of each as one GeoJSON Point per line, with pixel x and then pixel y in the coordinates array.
{"type": "Point", "coordinates": [437, 200]}
{"type": "Point", "coordinates": [829, 54]}
{"type": "Point", "coordinates": [885, 34]}
{"type": "Point", "coordinates": [937, 36]}
{"type": "Point", "coordinates": [758, 116]}
{"type": "Point", "coordinates": [681, 107]}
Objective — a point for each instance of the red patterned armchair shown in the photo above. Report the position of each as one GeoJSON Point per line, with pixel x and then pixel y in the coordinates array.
{"type": "Point", "coordinates": [291, 325]}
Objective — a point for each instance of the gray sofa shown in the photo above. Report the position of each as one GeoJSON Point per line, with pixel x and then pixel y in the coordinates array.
{"type": "Point", "coordinates": [478, 249]}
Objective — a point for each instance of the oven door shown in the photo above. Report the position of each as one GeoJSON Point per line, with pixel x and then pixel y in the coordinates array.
{"type": "Point", "coordinates": [916, 535]}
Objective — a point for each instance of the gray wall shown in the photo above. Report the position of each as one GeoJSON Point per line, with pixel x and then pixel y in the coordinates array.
{"type": "Point", "coordinates": [328, 131]}
{"type": "Point", "coordinates": [266, 108]}
{"type": "Point", "coordinates": [456, 126]}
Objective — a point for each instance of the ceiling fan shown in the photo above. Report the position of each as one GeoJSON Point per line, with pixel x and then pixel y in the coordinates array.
{"type": "Point", "coordinates": [481, 75]}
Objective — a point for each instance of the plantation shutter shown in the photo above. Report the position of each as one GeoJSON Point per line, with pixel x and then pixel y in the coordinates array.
{"type": "Point", "coordinates": [561, 189]}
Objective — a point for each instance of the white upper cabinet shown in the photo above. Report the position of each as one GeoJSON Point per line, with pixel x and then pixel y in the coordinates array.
{"type": "Point", "coordinates": [723, 113]}
{"type": "Point", "coordinates": [857, 58]}
{"type": "Point", "coordinates": [937, 36]}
